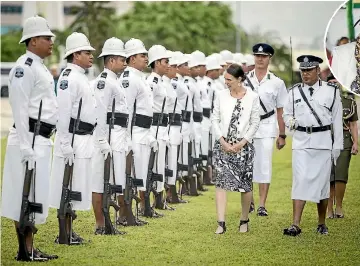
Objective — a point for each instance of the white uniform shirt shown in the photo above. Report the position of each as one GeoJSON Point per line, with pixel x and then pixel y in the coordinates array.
{"type": "Point", "coordinates": [249, 120]}
{"type": "Point", "coordinates": [72, 86]}
{"type": "Point", "coordinates": [159, 95]}
{"type": "Point", "coordinates": [272, 92]}
{"type": "Point", "coordinates": [136, 88]}
{"type": "Point", "coordinates": [207, 92]}
{"type": "Point", "coordinates": [195, 93]}
{"type": "Point", "coordinates": [321, 102]}
{"type": "Point", "coordinates": [221, 86]}
{"type": "Point", "coordinates": [171, 96]}
{"type": "Point", "coordinates": [29, 83]}
{"type": "Point", "coordinates": [107, 88]}
{"type": "Point", "coordinates": [183, 93]}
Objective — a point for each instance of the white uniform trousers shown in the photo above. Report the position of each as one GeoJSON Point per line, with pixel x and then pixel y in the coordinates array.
{"type": "Point", "coordinates": [172, 163]}
{"type": "Point", "coordinates": [183, 156]}
{"type": "Point", "coordinates": [263, 160]}
{"type": "Point", "coordinates": [311, 174]}
{"type": "Point", "coordinates": [197, 139]}
{"type": "Point", "coordinates": [159, 164]}
{"type": "Point", "coordinates": [118, 161]}
{"type": "Point", "coordinates": [13, 182]}
{"type": "Point", "coordinates": [206, 126]}
{"type": "Point", "coordinates": [141, 153]}
{"type": "Point", "coordinates": [81, 182]}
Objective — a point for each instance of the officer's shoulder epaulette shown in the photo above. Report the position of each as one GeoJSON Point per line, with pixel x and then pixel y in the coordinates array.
{"type": "Point", "coordinates": [186, 80]}
{"type": "Point", "coordinates": [126, 74]}
{"type": "Point", "coordinates": [29, 61]}
{"type": "Point", "coordinates": [103, 75]}
{"type": "Point", "coordinates": [176, 78]}
{"type": "Point", "coordinates": [332, 84]}
{"type": "Point", "coordinates": [156, 80]}
{"type": "Point", "coordinates": [296, 85]}
{"type": "Point", "coordinates": [269, 76]}
{"type": "Point", "coordinates": [209, 83]}
{"type": "Point", "coordinates": [66, 72]}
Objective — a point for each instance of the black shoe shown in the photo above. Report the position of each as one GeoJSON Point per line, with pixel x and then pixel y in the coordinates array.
{"type": "Point", "coordinates": [121, 221]}
{"type": "Point", "coordinates": [100, 231]}
{"type": "Point", "coordinates": [293, 230]}
{"type": "Point", "coordinates": [168, 208]}
{"type": "Point", "coordinates": [223, 226]}
{"type": "Point", "coordinates": [242, 222]}
{"type": "Point", "coordinates": [261, 211]}
{"type": "Point", "coordinates": [322, 229]}
{"type": "Point", "coordinates": [252, 207]}
{"type": "Point", "coordinates": [41, 254]}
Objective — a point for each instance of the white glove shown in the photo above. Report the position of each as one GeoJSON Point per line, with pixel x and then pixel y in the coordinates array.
{"type": "Point", "coordinates": [105, 148]}
{"type": "Point", "coordinates": [168, 143]}
{"type": "Point", "coordinates": [335, 154]}
{"type": "Point", "coordinates": [28, 156]}
{"type": "Point", "coordinates": [153, 143]}
{"type": "Point", "coordinates": [68, 153]}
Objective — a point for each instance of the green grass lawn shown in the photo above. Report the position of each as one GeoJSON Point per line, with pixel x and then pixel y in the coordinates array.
{"type": "Point", "coordinates": [186, 236]}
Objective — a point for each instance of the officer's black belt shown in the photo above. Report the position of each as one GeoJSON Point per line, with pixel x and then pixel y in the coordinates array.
{"type": "Point", "coordinates": [83, 129]}
{"type": "Point", "coordinates": [156, 118]}
{"type": "Point", "coordinates": [310, 130]}
{"type": "Point", "coordinates": [197, 116]}
{"type": "Point", "coordinates": [206, 112]}
{"type": "Point", "coordinates": [121, 119]}
{"type": "Point", "coordinates": [267, 115]}
{"type": "Point", "coordinates": [143, 121]}
{"type": "Point", "coordinates": [46, 130]}
{"type": "Point", "coordinates": [177, 119]}
{"type": "Point", "coordinates": [186, 115]}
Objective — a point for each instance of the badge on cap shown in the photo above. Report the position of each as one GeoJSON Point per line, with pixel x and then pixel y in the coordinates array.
{"type": "Point", "coordinates": [64, 84]}
{"type": "Point", "coordinates": [306, 59]}
{"type": "Point", "coordinates": [19, 72]}
{"type": "Point", "coordinates": [260, 49]}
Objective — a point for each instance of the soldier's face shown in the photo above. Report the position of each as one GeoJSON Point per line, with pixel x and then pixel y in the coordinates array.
{"type": "Point", "coordinates": [119, 64]}
{"type": "Point", "coordinates": [172, 71]}
{"type": "Point", "coordinates": [250, 68]}
{"type": "Point", "coordinates": [140, 61]}
{"type": "Point", "coordinates": [163, 66]}
{"type": "Point", "coordinates": [202, 71]}
{"type": "Point", "coordinates": [44, 45]}
{"type": "Point", "coordinates": [262, 61]}
{"type": "Point", "coordinates": [310, 76]}
{"type": "Point", "coordinates": [184, 69]}
{"type": "Point", "coordinates": [214, 74]}
{"type": "Point", "coordinates": [222, 69]}
{"type": "Point", "coordinates": [194, 71]}
{"type": "Point", "coordinates": [84, 59]}
{"type": "Point", "coordinates": [244, 67]}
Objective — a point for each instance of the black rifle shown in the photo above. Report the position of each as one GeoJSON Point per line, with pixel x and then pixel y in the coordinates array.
{"type": "Point", "coordinates": [65, 213]}
{"type": "Point", "coordinates": [151, 176]}
{"type": "Point", "coordinates": [131, 184]}
{"type": "Point", "coordinates": [28, 208]}
{"type": "Point", "coordinates": [109, 189]}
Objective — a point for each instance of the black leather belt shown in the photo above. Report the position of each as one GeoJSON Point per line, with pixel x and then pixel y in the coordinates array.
{"type": "Point", "coordinates": [46, 130]}
{"type": "Point", "coordinates": [163, 123]}
{"type": "Point", "coordinates": [143, 121]}
{"type": "Point", "coordinates": [186, 115]}
{"type": "Point", "coordinates": [267, 115]}
{"type": "Point", "coordinates": [206, 112]}
{"type": "Point", "coordinates": [84, 128]}
{"type": "Point", "coordinates": [121, 119]}
{"type": "Point", "coordinates": [310, 130]}
{"type": "Point", "coordinates": [177, 119]}
{"type": "Point", "coordinates": [198, 116]}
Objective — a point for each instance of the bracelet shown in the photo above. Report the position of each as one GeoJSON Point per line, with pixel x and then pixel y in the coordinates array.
{"type": "Point", "coordinates": [282, 136]}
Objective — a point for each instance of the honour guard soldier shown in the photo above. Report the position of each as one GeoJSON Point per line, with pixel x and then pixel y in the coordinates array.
{"type": "Point", "coordinates": [139, 98]}
{"type": "Point", "coordinates": [159, 63]}
{"type": "Point", "coordinates": [314, 111]}
{"type": "Point", "coordinates": [32, 97]}
{"type": "Point", "coordinates": [346, 65]}
{"type": "Point", "coordinates": [222, 63]}
{"type": "Point", "coordinates": [107, 88]}
{"type": "Point", "coordinates": [272, 93]}
{"type": "Point", "coordinates": [74, 147]}
{"type": "Point", "coordinates": [250, 62]}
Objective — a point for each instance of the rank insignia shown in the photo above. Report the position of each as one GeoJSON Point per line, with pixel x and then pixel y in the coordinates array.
{"type": "Point", "coordinates": [103, 75]}
{"type": "Point", "coordinates": [174, 86]}
{"type": "Point", "coordinates": [66, 72]}
{"type": "Point", "coordinates": [126, 74]}
{"type": "Point", "coordinates": [19, 72]}
{"type": "Point", "coordinates": [63, 84]}
{"type": "Point", "coordinates": [125, 83]}
{"type": "Point", "coordinates": [156, 80]}
{"type": "Point", "coordinates": [101, 84]}
{"type": "Point", "coordinates": [28, 61]}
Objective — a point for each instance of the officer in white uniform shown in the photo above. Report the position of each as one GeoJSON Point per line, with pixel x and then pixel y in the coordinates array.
{"type": "Point", "coordinates": [346, 65]}
{"type": "Point", "coordinates": [239, 59]}
{"type": "Point", "coordinates": [272, 93]}
{"type": "Point", "coordinates": [185, 104]}
{"type": "Point", "coordinates": [159, 63]}
{"type": "Point", "coordinates": [219, 83]}
{"type": "Point", "coordinates": [73, 85]}
{"type": "Point", "coordinates": [313, 108]}
{"type": "Point", "coordinates": [173, 108]}
{"type": "Point", "coordinates": [138, 92]}
{"type": "Point", "coordinates": [107, 88]}
{"type": "Point", "coordinates": [29, 83]}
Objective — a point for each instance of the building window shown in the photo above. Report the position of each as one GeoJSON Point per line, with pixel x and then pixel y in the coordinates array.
{"type": "Point", "coordinates": [68, 10]}
{"type": "Point", "coordinates": [9, 28]}
{"type": "Point", "coordinates": [10, 9]}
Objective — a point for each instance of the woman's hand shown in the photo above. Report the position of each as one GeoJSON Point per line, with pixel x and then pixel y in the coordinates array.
{"type": "Point", "coordinates": [354, 149]}
{"type": "Point", "coordinates": [226, 146]}
{"type": "Point", "coordinates": [238, 146]}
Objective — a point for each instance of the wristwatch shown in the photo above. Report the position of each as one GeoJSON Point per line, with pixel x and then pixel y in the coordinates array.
{"type": "Point", "coordinates": [282, 136]}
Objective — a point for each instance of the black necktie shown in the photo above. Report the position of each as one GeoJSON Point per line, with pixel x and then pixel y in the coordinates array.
{"type": "Point", "coordinates": [311, 89]}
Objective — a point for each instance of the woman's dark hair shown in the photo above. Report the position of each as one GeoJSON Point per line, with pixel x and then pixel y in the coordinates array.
{"type": "Point", "coordinates": [236, 71]}
{"type": "Point", "coordinates": [342, 39]}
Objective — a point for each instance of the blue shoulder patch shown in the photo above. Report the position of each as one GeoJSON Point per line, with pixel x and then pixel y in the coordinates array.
{"type": "Point", "coordinates": [64, 84]}
{"type": "Point", "coordinates": [19, 72]}
{"type": "Point", "coordinates": [125, 83]}
{"type": "Point", "coordinates": [101, 84]}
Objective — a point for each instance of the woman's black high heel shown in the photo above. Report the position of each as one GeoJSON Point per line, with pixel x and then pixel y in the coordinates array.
{"type": "Point", "coordinates": [223, 226]}
{"type": "Point", "coordinates": [242, 222]}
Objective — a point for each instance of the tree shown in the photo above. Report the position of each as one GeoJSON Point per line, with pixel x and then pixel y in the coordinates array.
{"type": "Point", "coordinates": [184, 26]}
{"type": "Point", "coordinates": [10, 47]}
